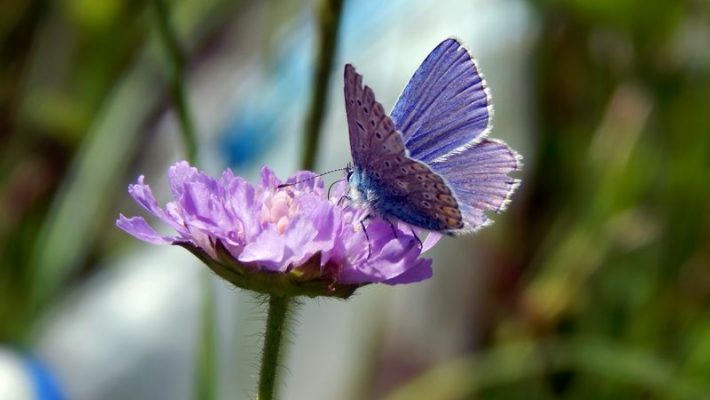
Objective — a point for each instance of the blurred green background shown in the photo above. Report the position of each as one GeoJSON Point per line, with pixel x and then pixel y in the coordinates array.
{"type": "Point", "coordinates": [597, 279]}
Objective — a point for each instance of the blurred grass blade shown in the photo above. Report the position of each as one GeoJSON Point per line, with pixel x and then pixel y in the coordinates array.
{"type": "Point", "coordinates": [328, 21]}
{"type": "Point", "coordinates": [470, 376]}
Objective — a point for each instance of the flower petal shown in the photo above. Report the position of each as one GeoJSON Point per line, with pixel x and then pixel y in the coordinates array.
{"type": "Point", "coordinates": [142, 194]}
{"type": "Point", "coordinates": [138, 228]}
{"type": "Point", "coordinates": [419, 272]}
{"type": "Point", "coordinates": [431, 239]}
{"type": "Point", "coordinates": [268, 251]}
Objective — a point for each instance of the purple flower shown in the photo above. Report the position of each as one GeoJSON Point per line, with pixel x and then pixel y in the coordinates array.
{"type": "Point", "coordinates": [290, 240]}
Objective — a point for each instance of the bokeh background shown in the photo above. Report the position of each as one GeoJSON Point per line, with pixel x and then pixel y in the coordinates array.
{"type": "Point", "coordinates": [595, 284]}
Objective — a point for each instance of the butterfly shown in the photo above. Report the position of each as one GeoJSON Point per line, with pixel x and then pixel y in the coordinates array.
{"type": "Point", "coordinates": [430, 163]}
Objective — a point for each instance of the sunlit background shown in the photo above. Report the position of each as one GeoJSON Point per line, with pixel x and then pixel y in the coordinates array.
{"type": "Point", "coordinates": [595, 284]}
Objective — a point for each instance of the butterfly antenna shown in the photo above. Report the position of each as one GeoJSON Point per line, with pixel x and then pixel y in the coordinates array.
{"type": "Point", "coordinates": [283, 185]}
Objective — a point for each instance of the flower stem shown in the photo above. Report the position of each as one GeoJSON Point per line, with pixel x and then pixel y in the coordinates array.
{"type": "Point", "coordinates": [168, 37]}
{"type": "Point", "coordinates": [329, 20]}
{"type": "Point", "coordinates": [275, 324]}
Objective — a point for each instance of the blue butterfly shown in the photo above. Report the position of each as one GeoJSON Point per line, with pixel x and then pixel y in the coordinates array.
{"type": "Point", "coordinates": [430, 164]}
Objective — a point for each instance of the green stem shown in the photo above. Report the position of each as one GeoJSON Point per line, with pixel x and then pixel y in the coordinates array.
{"type": "Point", "coordinates": [275, 323]}
{"type": "Point", "coordinates": [329, 20]}
{"type": "Point", "coordinates": [168, 37]}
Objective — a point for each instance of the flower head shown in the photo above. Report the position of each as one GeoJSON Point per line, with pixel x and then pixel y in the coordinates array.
{"type": "Point", "coordinates": [288, 240]}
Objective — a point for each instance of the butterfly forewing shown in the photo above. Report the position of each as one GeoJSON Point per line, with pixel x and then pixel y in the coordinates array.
{"type": "Point", "coordinates": [406, 189]}
{"type": "Point", "coordinates": [445, 105]}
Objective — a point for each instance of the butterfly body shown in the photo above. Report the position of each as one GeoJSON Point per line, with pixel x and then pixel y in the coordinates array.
{"type": "Point", "coordinates": [430, 165]}
{"type": "Point", "coordinates": [390, 201]}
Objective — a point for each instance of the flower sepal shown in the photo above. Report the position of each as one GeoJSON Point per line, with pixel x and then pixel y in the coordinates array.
{"type": "Point", "coordinates": [306, 280]}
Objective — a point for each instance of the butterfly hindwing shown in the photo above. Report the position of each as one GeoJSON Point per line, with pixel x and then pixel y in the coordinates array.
{"type": "Point", "coordinates": [405, 188]}
{"type": "Point", "coordinates": [445, 105]}
{"type": "Point", "coordinates": [478, 177]}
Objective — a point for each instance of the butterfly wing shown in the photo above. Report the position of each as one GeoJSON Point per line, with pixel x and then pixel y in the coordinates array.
{"type": "Point", "coordinates": [478, 177]}
{"type": "Point", "coordinates": [401, 187]}
{"type": "Point", "coordinates": [445, 105]}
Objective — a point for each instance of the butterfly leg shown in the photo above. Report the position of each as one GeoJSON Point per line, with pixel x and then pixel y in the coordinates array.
{"type": "Point", "coordinates": [331, 187]}
{"type": "Point", "coordinates": [414, 233]}
{"type": "Point", "coordinates": [345, 197]}
{"type": "Point", "coordinates": [364, 229]}
{"type": "Point", "coordinates": [392, 226]}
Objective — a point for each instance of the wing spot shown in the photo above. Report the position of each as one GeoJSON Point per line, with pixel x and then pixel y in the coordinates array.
{"type": "Point", "coordinates": [420, 179]}
{"type": "Point", "coordinates": [426, 204]}
{"type": "Point", "coordinates": [456, 223]}
{"type": "Point", "coordinates": [365, 110]}
{"type": "Point", "coordinates": [446, 198]}
{"type": "Point", "coordinates": [378, 135]}
{"type": "Point", "coordinates": [427, 196]}
{"type": "Point", "coordinates": [359, 126]}
{"type": "Point", "coordinates": [387, 164]}
{"type": "Point", "coordinates": [359, 103]}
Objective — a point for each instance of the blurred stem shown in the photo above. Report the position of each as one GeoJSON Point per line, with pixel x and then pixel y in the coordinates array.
{"type": "Point", "coordinates": [206, 385]}
{"type": "Point", "coordinates": [275, 323]}
{"type": "Point", "coordinates": [329, 19]}
{"type": "Point", "coordinates": [168, 38]}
